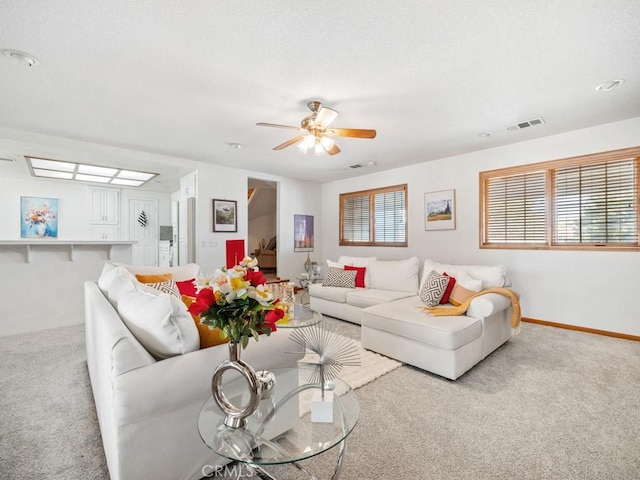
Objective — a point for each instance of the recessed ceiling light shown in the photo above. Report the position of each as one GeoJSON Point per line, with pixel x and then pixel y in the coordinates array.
{"type": "Point", "coordinates": [485, 134]}
{"type": "Point", "coordinates": [237, 146]}
{"type": "Point", "coordinates": [610, 85]}
{"type": "Point", "coordinates": [22, 57]}
{"type": "Point", "coordinates": [370, 163]}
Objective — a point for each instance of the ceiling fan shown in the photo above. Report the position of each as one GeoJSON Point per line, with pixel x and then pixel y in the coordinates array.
{"type": "Point", "coordinates": [315, 132]}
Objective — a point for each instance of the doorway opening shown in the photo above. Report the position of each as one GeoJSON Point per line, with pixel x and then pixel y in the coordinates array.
{"type": "Point", "coordinates": [262, 217]}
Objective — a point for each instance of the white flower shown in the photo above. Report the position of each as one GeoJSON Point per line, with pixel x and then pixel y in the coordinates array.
{"type": "Point", "coordinates": [261, 294]}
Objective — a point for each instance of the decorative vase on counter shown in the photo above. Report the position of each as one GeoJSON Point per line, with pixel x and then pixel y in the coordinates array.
{"type": "Point", "coordinates": [307, 264]}
{"type": "Point", "coordinates": [235, 417]}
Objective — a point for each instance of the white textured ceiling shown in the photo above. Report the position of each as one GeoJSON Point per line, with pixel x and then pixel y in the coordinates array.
{"type": "Point", "coordinates": [158, 83]}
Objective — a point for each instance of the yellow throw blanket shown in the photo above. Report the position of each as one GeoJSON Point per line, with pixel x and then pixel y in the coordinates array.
{"type": "Point", "coordinates": [464, 306]}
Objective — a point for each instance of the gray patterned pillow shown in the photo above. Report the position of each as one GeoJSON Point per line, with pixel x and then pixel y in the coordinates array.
{"type": "Point", "coordinates": [433, 288]}
{"type": "Point", "coordinates": [168, 286]}
{"type": "Point", "coordinates": [337, 277]}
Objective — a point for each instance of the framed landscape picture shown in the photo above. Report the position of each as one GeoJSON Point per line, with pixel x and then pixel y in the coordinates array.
{"type": "Point", "coordinates": [38, 217]}
{"type": "Point", "coordinates": [303, 233]}
{"type": "Point", "coordinates": [440, 210]}
{"type": "Point", "coordinates": [225, 217]}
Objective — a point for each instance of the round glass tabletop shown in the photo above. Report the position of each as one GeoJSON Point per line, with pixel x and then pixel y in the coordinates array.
{"type": "Point", "coordinates": [303, 316]}
{"type": "Point", "coordinates": [293, 424]}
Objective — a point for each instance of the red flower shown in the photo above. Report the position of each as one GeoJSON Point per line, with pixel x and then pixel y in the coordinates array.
{"type": "Point", "coordinates": [256, 277]}
{"type": "Point", "coordinates": [204, 299]}
{"type": "Point", "coordinates": [273, 316]}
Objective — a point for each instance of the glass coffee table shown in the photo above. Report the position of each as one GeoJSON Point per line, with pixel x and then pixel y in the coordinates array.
{"type": "Point", "coordinates": [303, 316]}
{"type": "Point", "coordinates": [281, 430]}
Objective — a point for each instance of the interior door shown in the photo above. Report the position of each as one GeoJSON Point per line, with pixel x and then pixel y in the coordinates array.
{"type": "Point", "coordinates": [143, 229]}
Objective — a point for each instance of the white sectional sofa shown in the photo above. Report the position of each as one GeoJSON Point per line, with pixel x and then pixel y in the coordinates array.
{"type": "Point", "coordinates": [148, 407]}
{"type": "Point", "coordinates": [395, 324]}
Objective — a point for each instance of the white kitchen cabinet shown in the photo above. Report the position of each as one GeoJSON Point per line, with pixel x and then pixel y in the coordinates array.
{"type": "Point", "coordinates": [104, 206]}
{"type": "Point", "coordinates": [105, 232]}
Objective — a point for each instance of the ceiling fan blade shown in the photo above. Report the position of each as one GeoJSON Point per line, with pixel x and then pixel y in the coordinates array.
{"type": "Point", "coordinates": [325, 117]}
{"type": "Point", "coordinates": [261, 124]}
{"type": "Point", "coordinates": [333, 150]}
{"type": "Point", "coordinates": [288, 143]}
{"type": "Point", "coordinates": [352, 132]}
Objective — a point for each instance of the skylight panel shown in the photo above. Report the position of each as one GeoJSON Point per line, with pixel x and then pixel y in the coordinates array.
{"type": "Point", "coordinates": [94, 170]}
{"type": "Point", "coordinates": [38, 172]}
{"type": "Point", "coordinates": [92, 178]}
{"type": "Point", "coordinates": [59, 169]}
{"type": "Point", "coordinates": [126, 182]}
{"type": "Point", "coordinates": [52, 164]}
{"type": "Point", "coordinates": [131, 175]}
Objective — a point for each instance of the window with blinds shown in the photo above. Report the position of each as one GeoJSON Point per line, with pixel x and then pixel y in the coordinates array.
{"type": "Point", "coordinates": [589, 202]}
{"type": "Point", "coordinates": [375, 217]}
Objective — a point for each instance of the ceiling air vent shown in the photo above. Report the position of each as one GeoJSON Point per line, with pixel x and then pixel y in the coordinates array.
{"type": "Point", "coordinates": [9, 160]}
{"type": "Point", "coordinates": [527, 124]}
{"type": "Point", "coordinates": [355, 166]}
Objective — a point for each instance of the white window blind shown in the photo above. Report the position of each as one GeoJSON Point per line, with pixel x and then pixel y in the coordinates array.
{"type": "Point", "coordinates": [356, 219]}
{"type": "Point", "coordinates": [587, 202]}
{"type": "Point", "coordinates": [516, 209]}
{"type": "Point", "coordinates": [595, 204]}
{"type": "Point", "coordinates": [374, 217]}
{"type": "Point", "coordinates": [390, 218]}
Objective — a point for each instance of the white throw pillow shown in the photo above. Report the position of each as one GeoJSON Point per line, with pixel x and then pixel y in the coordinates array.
{"type": "Point", "coordinates": [489, 276]}
{"type": "Point", "coordinates": [107, 276]}
{"type": "Point", "coordinates": [122, 281]}
{"type": "Point", "coordinates": [359, 262]}
{"type": "Point", "coordinates": [395, 275]}
{"type": "Point", "coordinates": [331, 264]}
{"type": "Point", "coordinates": [159, 321]}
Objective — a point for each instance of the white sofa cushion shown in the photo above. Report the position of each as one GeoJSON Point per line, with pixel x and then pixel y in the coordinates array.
{"type": "Point", "coordinates": [334, 294]}
{"type": "Point", "coordinates": [405, 318]}
{"type": "Point", "coordinates": [489, 276]}
{"type": "Point", "coordinates": [366, 297]}
{"type": "Point", "coordinates": [395, 275]}
{"type": "Point", "coordinates": [159, 321]}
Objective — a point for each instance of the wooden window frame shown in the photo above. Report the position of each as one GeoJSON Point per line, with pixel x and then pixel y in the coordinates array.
{"type": "Point", "coordinates": [371, 193]}
{"type": "Point", "coordinates": [550, 167]}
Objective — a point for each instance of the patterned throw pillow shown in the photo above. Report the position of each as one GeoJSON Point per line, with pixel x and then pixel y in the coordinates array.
{"type": "Point", "coordinates": [168, 286]}
{"type": "Point", "coordinates": [336, 277]}
{"type": "Point", "coordinates": [433, 288]}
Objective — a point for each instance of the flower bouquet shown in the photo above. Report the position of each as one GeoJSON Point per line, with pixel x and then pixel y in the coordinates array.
{"type": "Point", "coordinates": [238, 302]}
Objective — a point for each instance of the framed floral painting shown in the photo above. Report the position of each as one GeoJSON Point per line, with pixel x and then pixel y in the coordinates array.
{"type": "Point", "coordinates": [38, 217]}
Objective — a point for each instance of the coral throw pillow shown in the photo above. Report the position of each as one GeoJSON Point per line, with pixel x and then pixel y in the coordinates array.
{"type": "Point", "coordinates": [208, 337]}
{"type": "Point", "coordinates": [447, 292]}
{"type": "Point", "coordinates": [360, 271]}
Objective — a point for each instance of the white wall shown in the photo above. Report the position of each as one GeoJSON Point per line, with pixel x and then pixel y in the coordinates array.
{"type": "Point", "coordinates": [583, 288]}
{"type": "Point", "coordinates": [48, 292]}
{"type": "Point", "coordinates": [294, 197]}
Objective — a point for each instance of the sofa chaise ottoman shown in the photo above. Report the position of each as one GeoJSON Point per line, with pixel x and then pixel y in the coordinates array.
{"type": "Point", "coordinates": [394, 322]}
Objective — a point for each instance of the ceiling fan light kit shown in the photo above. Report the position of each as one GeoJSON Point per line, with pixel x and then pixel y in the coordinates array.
{"type": "Point", "coordinates": [315, 133]}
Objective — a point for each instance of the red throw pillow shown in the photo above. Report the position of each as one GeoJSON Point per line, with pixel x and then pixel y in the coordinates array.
{"type": "Point", "coordinates": [187, 288]}
{"type": "Point", "coordinates": [447, 292]}
{"type": "Point", "coordinates": [359, 274]}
